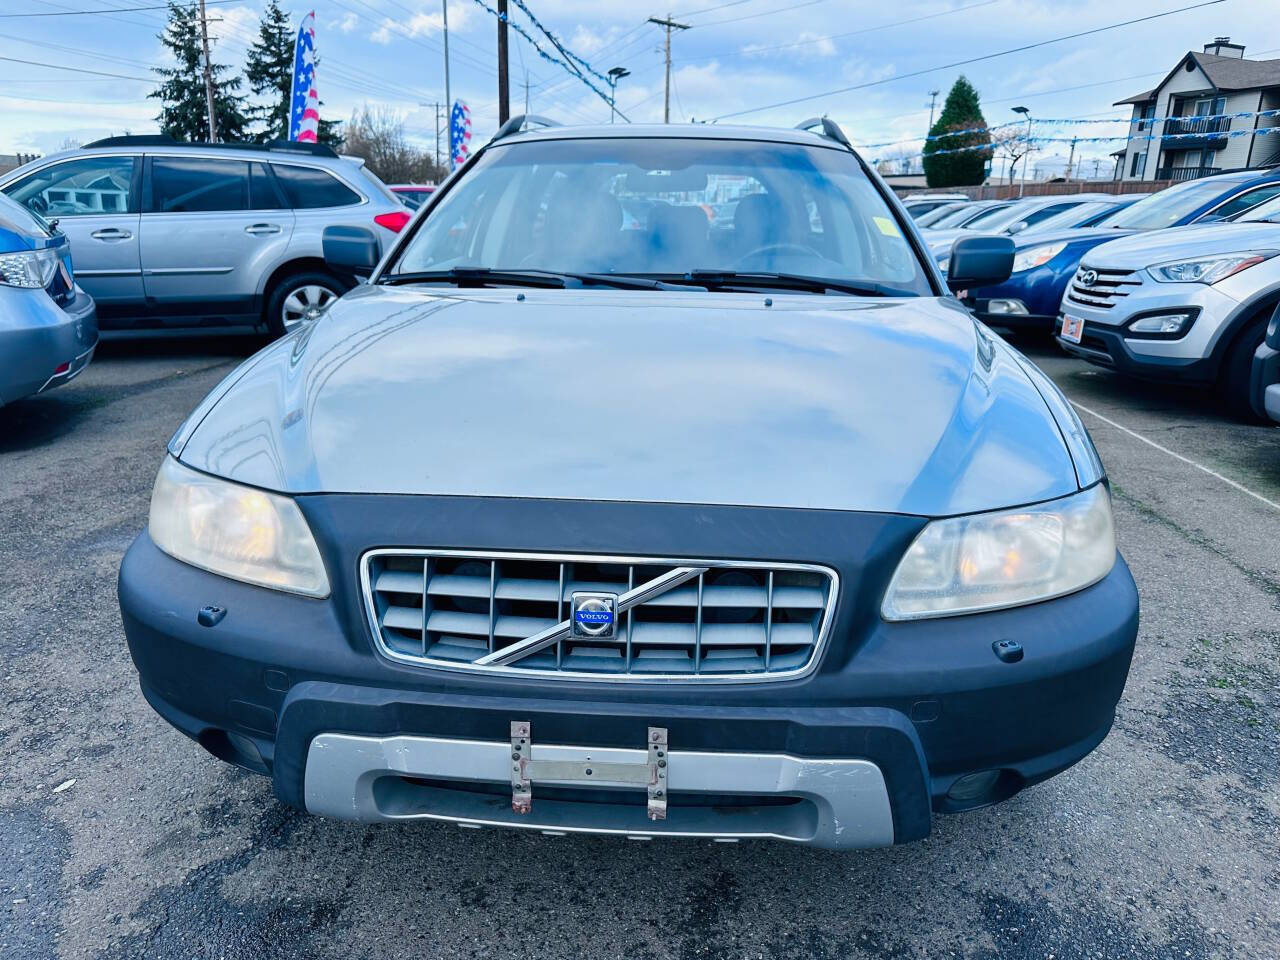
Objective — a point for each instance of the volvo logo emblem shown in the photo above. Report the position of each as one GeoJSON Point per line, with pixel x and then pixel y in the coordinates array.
{"type": "Point", "coordinates": [1088, 277]}
{"type": "Point", "coordinates": [593, 616]}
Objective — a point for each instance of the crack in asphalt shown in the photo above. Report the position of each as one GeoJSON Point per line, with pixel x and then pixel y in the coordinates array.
{"type": "Point", "coordinates": [1149, 512]}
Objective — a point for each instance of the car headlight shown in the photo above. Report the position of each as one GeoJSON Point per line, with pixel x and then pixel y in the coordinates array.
{"type": "Point", "coordinates": [31, 268]}
{"type": "Point", "coordinates": [944, 264]}
{"type": "Point", "coordinates": [235, 531]}
{"type": "Point", "coordinates": [1207, 269]}
{"type": "Point", "coordinates": [986, 561]}
{"type": "Point", "coordinates": [1036, 256]}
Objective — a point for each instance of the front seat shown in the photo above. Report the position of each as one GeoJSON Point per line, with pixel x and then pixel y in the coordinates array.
{"type": "Point", "coordinates": [759, 221]}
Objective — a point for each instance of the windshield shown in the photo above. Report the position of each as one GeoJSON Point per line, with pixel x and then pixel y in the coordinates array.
{"type": "Point", "coordinates": [1166, 208]}
{"type": "Point", "coordinates": [936, 214]}
{"type": "Point", "coordinates": [988, 218]}
{"type": "Point", "coordinates": [666, 207]}
{"type": "Point", "coordinates": [1072, 217]}
{"type": "Point", "coordinates": [1268, 211]}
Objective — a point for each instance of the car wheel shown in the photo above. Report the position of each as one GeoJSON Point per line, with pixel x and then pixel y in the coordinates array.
{"type": "Point", "coordinates": [300, 298]}
{"type": "Point", "coordinates": [1237, 366]}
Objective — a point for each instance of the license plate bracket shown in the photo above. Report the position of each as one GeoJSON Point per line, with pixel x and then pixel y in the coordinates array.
{"type": "Point", "coordinates": [1072, 328]}
{"type": "Point", "coordinates": [652, 774]}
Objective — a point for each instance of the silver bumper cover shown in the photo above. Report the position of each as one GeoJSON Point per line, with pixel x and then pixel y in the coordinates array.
{"type": "Point", "coordinates": [833, 803]}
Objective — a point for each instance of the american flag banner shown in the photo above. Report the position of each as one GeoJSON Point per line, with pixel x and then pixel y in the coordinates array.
{"type": "Point", "coordinates": [304, 108]}
{"type": "Point", "coordinates": [459, 133]}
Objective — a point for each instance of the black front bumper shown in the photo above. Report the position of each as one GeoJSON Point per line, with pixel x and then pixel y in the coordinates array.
{"type": "Point", "coordinates": [1106, 347]}
{"type": "Point", "coordinates": [928, 701]}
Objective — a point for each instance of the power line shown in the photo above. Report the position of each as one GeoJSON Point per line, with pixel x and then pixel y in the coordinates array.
{"type": "Point", "coordinates": [834, 36]}
{"type": "Point", "coordinates": [969, 60]}
{"type": "Point", "coordinates": [762, 13]}
{"type": "Point", "coordinates": [97, 13]}
{"type": "Point", "coordinates": [59, 66]}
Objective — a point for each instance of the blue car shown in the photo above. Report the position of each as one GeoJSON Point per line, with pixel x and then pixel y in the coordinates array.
{"type": "Point", "coordinates": [48, 325]}
{"type": "Point", "coordinates": [574, 522]}
{"type": "Point", "coordinates": [1045, 261]}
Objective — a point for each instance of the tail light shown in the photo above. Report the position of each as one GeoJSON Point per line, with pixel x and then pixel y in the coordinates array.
{"type": "Point", "coordinates": [392, 221]}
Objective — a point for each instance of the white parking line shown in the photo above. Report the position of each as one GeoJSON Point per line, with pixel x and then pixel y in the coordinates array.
{"type": "Point", "coordinates": [1177, 456]}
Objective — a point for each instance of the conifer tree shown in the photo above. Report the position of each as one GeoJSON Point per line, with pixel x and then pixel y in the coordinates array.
{"type": "Point", "coordinates": [184, 112]}
{"type": "Point", "coordinates": [961, 111]}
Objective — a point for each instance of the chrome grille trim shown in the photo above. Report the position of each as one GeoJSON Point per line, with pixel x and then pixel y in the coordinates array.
{"type": "Point", "coordinates": [790, 648]}
{"type": "Point", "coordinates": [1104, 292]}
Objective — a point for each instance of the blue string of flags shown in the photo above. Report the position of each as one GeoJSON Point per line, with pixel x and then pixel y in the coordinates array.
{"type": "Point", "coordinates": [1246, 115]}
{"type": "Point", "coordinates": [558, 44]}
{"type": "Point", "coordinates": [569, 64]}
{"type": "Point", "coordinates": [1261, 131]}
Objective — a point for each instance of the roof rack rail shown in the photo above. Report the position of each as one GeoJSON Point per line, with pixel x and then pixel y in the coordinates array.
{"type": "Point", "coordinates": [830, 129]}
{"type": "Point", "coordinates": [518, 123]}
{"type": "Point", "coordinates": [135, 140]}
{"type": "Point", "coordinates": [164, 140]}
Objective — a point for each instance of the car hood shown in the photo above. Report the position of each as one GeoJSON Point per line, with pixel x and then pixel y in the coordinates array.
{"type": "Point", "coordinates": [1183, 243]}
{"type": "Point", "coordinates": [903, 406]}
{"type": "Point", "coordinates": [1026, 239]}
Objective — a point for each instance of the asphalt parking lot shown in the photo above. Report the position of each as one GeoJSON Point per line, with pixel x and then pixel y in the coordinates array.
{"type": "Point", "coordinates": [120, 838]}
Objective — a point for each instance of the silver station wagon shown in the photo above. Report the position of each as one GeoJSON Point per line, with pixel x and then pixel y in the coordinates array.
{"type": "Point", "coordinates": [653, 484]}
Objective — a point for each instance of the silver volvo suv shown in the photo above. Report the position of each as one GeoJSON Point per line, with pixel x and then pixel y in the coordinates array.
{"type": "Point", "coordinates": [167, 234]}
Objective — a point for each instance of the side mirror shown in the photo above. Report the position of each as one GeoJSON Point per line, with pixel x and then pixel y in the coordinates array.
{"type": "Point", "coordinates": [350, 249]}
{"type": "Point", "coordinates": [980, 262]}
{"type": "Point", "coordinates": [1017, 227]}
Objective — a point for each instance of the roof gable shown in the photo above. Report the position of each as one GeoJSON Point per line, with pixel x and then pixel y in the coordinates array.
{"type": "Point", "coordinates": [1225, 75]}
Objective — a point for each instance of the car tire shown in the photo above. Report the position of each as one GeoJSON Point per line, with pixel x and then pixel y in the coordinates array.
{"type": "Point", "coordinates": [300, 297]}
{"type": "Point", "coordinates": [1237, 367]}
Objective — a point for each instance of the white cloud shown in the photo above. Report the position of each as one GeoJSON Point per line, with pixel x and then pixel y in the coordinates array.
{"type": "Point", "coordinates": [806, 46]}
{"type": "Point", "coordinates": [346, 24]}
{"type": "Point", "coordinates": [421, 24]}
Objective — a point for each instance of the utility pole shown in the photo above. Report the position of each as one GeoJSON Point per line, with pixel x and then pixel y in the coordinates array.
{"type": "Point", "coordinates": [670, 25]}
{"type": "Point", "coordinates": [208, 75]}
{"type": "Point", "coordinates": [504, 91]}
{"type": "Point", "coordinates": [526, 86]}
{"type": "Point", "coordinates": [439, 165]}
{"type": "Point", "coordinates": [1072, 158]}
{"type": "Point", "coordinates": [933, 102]}
{"type": "Point", "coordinates": [448, 97]}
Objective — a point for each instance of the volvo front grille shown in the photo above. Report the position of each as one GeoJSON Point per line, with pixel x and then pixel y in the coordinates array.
{"type": "Point", "coordinates": [690, 620]}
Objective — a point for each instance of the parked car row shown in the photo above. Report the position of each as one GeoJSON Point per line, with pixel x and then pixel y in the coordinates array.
{"type": "Point", "coordinates": [1177, 285]}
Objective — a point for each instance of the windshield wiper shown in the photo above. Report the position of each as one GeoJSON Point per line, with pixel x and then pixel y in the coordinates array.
{"type": "Point", "coordinates": [491, 276]}
{"type": "Point", "coordinates": [791, 281]}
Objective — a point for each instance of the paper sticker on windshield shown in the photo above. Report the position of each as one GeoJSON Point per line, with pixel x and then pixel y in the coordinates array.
{"type": "Point", "coordinates": [887, 227]}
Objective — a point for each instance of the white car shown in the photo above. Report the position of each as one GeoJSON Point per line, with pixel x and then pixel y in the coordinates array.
{"type": "Point", "coordinates": [1188, 304]}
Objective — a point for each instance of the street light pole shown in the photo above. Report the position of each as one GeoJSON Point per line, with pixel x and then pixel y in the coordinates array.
{"type": "Point", "coordinates": [1026, 157]}
{"type": "Point", "coordinates": [616, 74]}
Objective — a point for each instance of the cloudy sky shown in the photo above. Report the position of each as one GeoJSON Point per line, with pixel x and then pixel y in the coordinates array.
{"type": "Point", "coordinates": [739, 55]}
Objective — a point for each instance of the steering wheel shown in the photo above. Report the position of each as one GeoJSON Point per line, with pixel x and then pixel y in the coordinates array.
{"type": "Point", "coordinates": [780, 248]}
{"type": "Point", "coordinates": [38, 204]}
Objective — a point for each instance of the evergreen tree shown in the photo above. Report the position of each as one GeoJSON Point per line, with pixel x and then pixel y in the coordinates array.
{"type": "Point", "coordinates": [269, 68]}
{"type": "Point", "coordinates": [960, 112]}
{"type": "Point", "coordinates": [184, 112]}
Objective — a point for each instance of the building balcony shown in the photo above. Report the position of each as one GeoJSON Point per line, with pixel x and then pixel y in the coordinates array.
{"type": "Point", "coordinates": [1183, 133]}
{"type": "Point", "coordinates": [1186, 173]}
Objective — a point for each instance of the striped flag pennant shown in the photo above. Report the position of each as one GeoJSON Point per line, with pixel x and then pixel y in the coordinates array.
{"type": "Point", "coordinates": [459, 133]}
{"type": "Point", "coordinates": [304, 108]}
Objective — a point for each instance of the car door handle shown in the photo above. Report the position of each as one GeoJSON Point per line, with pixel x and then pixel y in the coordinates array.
{"type": "Point", "coordinates": [111, 233]}
{"type": "Point", "coordinates": [261, 229]}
